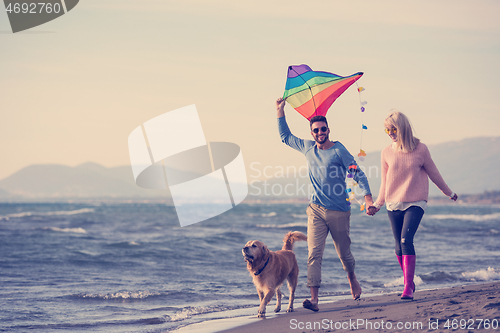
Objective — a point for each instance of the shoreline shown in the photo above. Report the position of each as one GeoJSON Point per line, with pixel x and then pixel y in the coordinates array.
{"type": "Point", "coordinates": [432, 310]}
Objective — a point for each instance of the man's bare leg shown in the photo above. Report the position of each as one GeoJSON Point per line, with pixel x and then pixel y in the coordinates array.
{"type": "Point", "coordinates": [355, 287]}
{"type": "Point", "coordinates": [313, 303]}
{"type": "Point", "coordinates": [314, 294]}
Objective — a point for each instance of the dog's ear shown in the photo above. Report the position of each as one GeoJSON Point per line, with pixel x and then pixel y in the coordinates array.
{"type": "Point", "coordinates": [265, 251]}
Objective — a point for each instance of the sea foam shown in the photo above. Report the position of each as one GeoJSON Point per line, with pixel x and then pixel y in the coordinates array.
{"type": "Point", "coordinates": [121, 295]}
{"type": "Point", "coordinates": [466, 217]}
{"type": "Point", "coordinates": [401, 282]}
{"type": "Point", "coordinates": [283, 226]}
{"type": "Point", "coordinates": [190, 311]}
{"type": "Point", "coordinates": [54, 213]}
{"type": "Point", "coordinates": [489, 274]}
{"type": "Point", "coordinates": [73, 230]}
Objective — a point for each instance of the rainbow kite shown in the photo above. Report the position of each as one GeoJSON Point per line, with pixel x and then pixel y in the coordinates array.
{"type": "Point", "coordinates": [312, 93]}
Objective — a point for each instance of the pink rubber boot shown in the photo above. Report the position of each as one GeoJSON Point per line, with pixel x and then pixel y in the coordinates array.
{"type": "Point", "coordinates": [409, 272]}
{"type": "Point", "coordinates": [400, 260]}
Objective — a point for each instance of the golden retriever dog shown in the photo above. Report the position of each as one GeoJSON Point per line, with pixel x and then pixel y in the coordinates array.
{"type": "Point", "coordinates": [270, 269]}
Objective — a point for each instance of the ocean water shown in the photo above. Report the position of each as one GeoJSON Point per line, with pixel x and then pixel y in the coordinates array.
{"type": "Point", "coordinates": [132, 268]}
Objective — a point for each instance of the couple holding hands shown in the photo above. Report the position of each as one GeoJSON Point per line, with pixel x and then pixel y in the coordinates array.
{"type": "Point", "coordinates": [406, 165]}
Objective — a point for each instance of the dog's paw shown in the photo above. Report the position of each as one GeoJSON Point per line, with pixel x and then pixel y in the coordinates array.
{"type": "Point", "coordinates": [277, 309]}
{"type": "Point", "coordinates": [261, 315]}
{"type": "Point", "coordinates": [289, 310]}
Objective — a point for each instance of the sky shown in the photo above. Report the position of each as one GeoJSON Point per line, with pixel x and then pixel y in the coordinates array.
{"type": "Point", "coordinates": [73, 89]}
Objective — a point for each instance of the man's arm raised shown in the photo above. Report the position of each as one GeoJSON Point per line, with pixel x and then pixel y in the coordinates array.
{"type": "Point", "coordinates": [286, 136]}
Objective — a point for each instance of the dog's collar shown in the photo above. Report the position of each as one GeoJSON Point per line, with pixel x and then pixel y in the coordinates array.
{"type": "Point", "coordinates": [260, 270]}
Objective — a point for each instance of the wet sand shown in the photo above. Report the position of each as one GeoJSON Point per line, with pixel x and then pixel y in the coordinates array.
{"type": "Point", "coordinates": [468, 308]}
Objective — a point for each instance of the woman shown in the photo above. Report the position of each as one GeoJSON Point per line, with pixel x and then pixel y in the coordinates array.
{"type": "Point", "coordinates": [406, 164]}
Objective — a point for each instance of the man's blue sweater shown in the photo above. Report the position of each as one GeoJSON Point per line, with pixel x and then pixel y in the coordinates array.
{"type": "Point", "coordinates": [327, 170]}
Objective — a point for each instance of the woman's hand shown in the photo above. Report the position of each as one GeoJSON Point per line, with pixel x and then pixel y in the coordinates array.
{"type": "Point", "coordinates": [372, 210]}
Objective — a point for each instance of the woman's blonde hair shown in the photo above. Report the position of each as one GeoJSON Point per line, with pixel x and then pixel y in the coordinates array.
{"type": "Point", "coordinates": [405, 141]}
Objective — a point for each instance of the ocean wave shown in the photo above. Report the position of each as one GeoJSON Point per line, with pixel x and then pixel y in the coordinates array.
{"type": "Point", "coordinates": [401, 282]}
{"type": "Point", "coordinates": [190, 311]}
{"type": "Point", "coordinates": [89, 253]}
{"type": "Point", "coordinates": [124, 244]}
{"type": "Point", "coordinates": [121, 295]}
{"type": "Point", "coordinates": [271, 214]}
{"type": "Point", "coordinates": [466, 217]}
{"type": "Point", "coordinates": [55, 213]}
{"type": "Point", "coordinates": [439, 276]}
{"type": "Point", "coordinates": [73, 230]}
{"type": "Point", "coordinates": [483, 275]}
{"type": "Point", "coordinates": [489, 274]}
{"type": "Point", "coordinates": [283, 226]}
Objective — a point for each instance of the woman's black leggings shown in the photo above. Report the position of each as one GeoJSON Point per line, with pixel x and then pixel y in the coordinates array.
{"type": "Point", "coordinates": [404, 226]}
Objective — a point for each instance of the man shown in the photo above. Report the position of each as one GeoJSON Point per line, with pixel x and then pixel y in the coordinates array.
{"type": "Point", "coordinates": [329, 211]}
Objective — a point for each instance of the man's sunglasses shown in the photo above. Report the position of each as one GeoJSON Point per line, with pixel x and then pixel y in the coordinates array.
{"type": "Point", "coordinates": [323, 129]}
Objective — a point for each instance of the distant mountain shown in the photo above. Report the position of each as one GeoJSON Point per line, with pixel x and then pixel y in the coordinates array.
{"type": "Point", "coordinates": [485, 198]}
{"type": "Point", "coordinates": [83, 181]}
{"type": "Point", "coordinates": [4, 193]}
{"type": "Point", "coordinates": [469, 166]}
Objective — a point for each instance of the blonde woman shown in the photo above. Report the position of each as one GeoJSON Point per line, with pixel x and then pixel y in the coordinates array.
{"type": "Point", "coordinates": [406, 166]}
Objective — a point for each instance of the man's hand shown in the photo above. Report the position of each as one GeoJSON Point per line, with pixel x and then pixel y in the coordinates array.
{"type": "Point", "coordinates": [369, 200]}
{"type": "Point", "coordinates": [372, 210]}
{"type": "Point", "coordinates": [280, 107]}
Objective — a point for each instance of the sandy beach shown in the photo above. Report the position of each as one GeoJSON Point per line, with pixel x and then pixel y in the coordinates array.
{"type": "Point", "coordinates": [468, 308]}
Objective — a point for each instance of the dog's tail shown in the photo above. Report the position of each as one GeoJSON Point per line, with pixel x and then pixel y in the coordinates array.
{"type": "Point", "coordinates": [291, 238]}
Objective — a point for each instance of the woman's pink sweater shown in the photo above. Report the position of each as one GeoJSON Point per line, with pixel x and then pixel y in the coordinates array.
{"type": "Point", "coordinates": [404, 175]}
